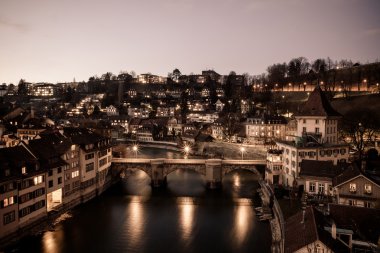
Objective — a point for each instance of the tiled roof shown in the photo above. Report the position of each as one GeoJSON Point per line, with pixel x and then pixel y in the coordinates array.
{"type": "Point", "coordinates": [317, 105]}
{"type": "Point", "coordinates": [365, 222]}
{"type": "Point", "coordinates": [320, 168]}
{"type": "Point", "coordinates": [349, 173]}
{"type": "Point", "coordinates": [298, 234]}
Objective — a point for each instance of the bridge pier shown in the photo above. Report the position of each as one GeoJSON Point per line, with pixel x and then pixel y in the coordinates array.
{"type": "Point", "coordinates": [158, 178]}
{"type": "Point", "coordinates": [214, 173]}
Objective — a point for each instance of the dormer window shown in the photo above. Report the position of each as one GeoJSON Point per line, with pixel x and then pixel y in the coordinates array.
{"type": "Point", "coordinates": [368, 188]}
{"type": "Point", "coordinates": [23, 170]}
{"type": "Point", "coordinates": [353, 188]}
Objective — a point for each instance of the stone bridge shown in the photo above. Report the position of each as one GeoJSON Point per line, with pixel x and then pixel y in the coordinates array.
{"type": "Point", "coordinates": [157, 169]}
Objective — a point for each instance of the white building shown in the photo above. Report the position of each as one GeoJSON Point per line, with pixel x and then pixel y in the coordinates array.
{"type": "Point", "coordinates": [317, 138]}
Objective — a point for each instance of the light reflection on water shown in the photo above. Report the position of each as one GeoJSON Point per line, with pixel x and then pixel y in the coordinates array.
{"type": "Point", "coordinates": [186, 216]}
{"type": "Point", "coordinates": [183, 217]}
{"type": "Point", "coordinates": [135, 222]}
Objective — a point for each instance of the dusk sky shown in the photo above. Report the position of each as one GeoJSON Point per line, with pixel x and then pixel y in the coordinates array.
{"type": "Point", "coordinates": [57, 41]}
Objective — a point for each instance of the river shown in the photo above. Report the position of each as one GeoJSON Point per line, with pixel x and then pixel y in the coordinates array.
{"type": "Point", "coordinates": [183, 217]}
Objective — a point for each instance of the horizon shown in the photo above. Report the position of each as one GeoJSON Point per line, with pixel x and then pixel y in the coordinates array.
{"type": "Point", "coordinates": [53, 41]}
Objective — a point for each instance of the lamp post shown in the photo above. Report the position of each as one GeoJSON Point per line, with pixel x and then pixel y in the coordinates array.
{"type": "Point", "coordinates": [135, 149]}
{"type": "Point", "coordinates": [242, 150]}
{"type": "Point", "coordinates": [186, 150]}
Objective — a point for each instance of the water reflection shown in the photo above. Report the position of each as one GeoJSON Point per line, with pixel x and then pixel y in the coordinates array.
{"type": "Point", "coordinates": [51, 241]}
{"type": "Point", "coordinates": [186, 183]}
{"type": "Point", "coordinates": [243, 216]}
{"type": "Point", "coordinates": [135, 222]}
{"type": "Point", "coordinates": [186, 217]}
{"type": "Point", "coordinates": [138, 184]}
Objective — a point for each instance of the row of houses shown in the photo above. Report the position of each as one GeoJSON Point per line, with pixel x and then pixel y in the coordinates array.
{"type": "Point", "coordinates": [55, 171]}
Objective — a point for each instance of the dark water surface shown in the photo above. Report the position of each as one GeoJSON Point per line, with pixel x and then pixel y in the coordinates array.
{"type": "Point", "coordinates": [183, 217]}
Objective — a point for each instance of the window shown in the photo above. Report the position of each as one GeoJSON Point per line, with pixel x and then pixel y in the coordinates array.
{"type": "Point", "coordinates": [50, 173]}
{"type": "Point", "coordinates": [67, 176]}
{"type": "Point", "coordinates": [352, 187]}
{"type": "Point", "coordinates": [304, 129]}
{"type": "Point", "coordinates": [59, 170]}
{"type": "Point", "coordinates": [312, 187]}
{"type": "Point", "coordinates": [60, 180]}
{"type": "Point", "coordinates": [74, 174]}
{"type": "Point", "coordinates": [89, 156]}
{"type": "Point", "coordinates": [89, 167]}
{"type": "Point", "coordinates": [23, 170]}
{"type": "Point", "coordinates": [352, 202]}
{"type": "Point", "coordinates": [11, 200]}
{"type": "Point", "coordinates": [38, 180]}
{"type": "Point", "coordinates": [7, 172]}
{"type": "Point", "coordinates": [321, 188]}
{"type": "Point", "coordinates": [367, 204]}
{"type": "Point", "coordinates": [317, 130]}
{"type": "Point", "coordinates": [50, 183]}
{"type": "Point", "coordinates": [9, 217]}
{"type": "Point", "coordinates": [102, 162]}
{"type": "Point", "coordinates": [317, 121]}
{"type": "Point", "coordinates": [368, 188]}
{"type": "Point", "coordinates": [304, 121]}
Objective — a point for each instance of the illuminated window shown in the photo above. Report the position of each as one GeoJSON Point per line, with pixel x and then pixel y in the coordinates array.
{"type": "Point", "coordinates": [368, 188]}
{"type": "Point", "coordinates": [23, 170]}
{"type": "Point", "coordinates": [37, 180]}
{"type": "Point", "coordinates": [75, 174]}
{"type": "Point", "coordinates": [321, 188]}
{"type": "Point", "coordinates": [352, 187]}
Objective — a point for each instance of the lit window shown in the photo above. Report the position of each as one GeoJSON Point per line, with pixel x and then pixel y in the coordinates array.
{"type": "Point", "coordinates": [352, 187]}
{"type": "Point", "coordinates": [368, 188]}
{"type": "Point", "coordinates": [75, 174]}
{"type": "Point", "coordinates": [5, 203]}
{"type": "Point", "coordinates": [23, 170]}
{"type": "Point", "coordinates": [37, 180]}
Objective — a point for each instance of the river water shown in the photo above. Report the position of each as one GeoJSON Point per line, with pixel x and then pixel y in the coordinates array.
{"type": "Point", "coordinates": [183, 217]}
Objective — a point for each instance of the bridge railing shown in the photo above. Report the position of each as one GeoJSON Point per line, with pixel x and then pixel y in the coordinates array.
{"type": "Point", "coordinates": [187, 161]}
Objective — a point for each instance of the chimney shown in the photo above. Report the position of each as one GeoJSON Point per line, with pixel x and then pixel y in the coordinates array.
{"type": "Point", "coordinates": [333, 230]}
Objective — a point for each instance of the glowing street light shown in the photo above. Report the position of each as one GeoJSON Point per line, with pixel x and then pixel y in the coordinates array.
{"type": "Point", "coordinates": [242, 150]}
{"type": "Point", "coordinates": [135, 149]}
{"type": "Point", "coordinates": [186, 150]}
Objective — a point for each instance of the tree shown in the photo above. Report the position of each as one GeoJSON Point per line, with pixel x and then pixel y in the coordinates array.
{"type": "Point", "coordinates": [360, 125]}
{"type": "Point", "coordinates": [176, 75]}
{"type": "Point", "coordinates": [22, 88]}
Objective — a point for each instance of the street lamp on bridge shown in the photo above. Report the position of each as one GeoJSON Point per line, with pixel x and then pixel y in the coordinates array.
{"type": "Point", "coordinates": [242, 150]}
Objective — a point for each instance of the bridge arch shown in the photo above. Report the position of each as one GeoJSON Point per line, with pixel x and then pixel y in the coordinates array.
{"type": "Point", "coordinates": [228, 169]}
{"type": "Point", "coordinates": [168, 169]}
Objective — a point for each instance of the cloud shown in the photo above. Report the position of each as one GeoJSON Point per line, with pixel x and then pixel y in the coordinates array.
{"type": "Point", "coordinates": [13, 25]}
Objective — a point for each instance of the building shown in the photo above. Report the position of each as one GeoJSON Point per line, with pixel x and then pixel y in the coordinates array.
{"type": "Point", "coordinates": [43, 90]}
{"type": "Point", "coordinates": [94, 161]}
{"type": "Point", "coordinates": [317, 138]}
{"type": "Point", "coordinates": [307, 232]}
{"type": "Point", "coordinates": [265, 128]}
{"type": "Point", "coordinates": [317, 176]}
{"type": "Point", "coordinates": [352, 187]}
{"type": "Point", "coordinates": [22, 189]}
{"type": "Point", "coordinates": [112, 111]}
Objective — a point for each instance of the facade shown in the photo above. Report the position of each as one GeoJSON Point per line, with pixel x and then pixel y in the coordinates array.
{"type": "Point", "coordinates": [265, 128]}
{"type": "Point", "coordinates": [354, 188]}
{"type": "Point", "coordinates": [204, 117]}
{"type": "Point", "coordinates": [317, 138]}
{"type": "Point", "coordinates": [112, 111]}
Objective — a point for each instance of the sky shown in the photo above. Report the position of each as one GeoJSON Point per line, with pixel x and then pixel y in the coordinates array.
{"type": "Point", "coordinates": [57, 41]}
